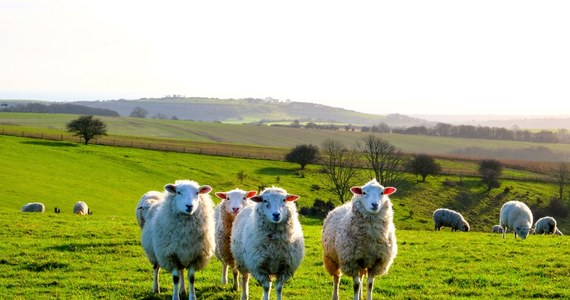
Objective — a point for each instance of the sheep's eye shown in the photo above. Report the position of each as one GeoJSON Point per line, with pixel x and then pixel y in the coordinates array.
{"type": "Point", "coordinates": [179, 193]}
{"type": "Point", "coordinates": [196, 193]}
{"type": "Point", "coordinates": [364, 193]}
{"type": "Point", "coordinates": [264, 201]}
{"type": "Point", "coordinates": [243, 198]}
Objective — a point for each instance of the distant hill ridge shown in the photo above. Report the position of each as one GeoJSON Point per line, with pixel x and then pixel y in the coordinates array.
{"type": "Point", "coordinates": [249, 110]}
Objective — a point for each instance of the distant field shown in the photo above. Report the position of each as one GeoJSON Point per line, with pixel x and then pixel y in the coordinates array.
{"type": "Point", "coordinates": [267, 136]}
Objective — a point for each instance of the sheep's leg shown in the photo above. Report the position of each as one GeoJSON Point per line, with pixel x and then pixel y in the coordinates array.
{"type": "Point", "coordinates": [244, 286]}
{"type": "Point", "coordinates": [235, 273]}
{"type": "Point", "coordinates": [356, 286]}
{"type": "Point", "coordinates": [224, 273]}
{"type": "Point", "coordinates": [336, 282]}
{"type": "Point", "coordinates": [504, 231]}
{"type": "Point", "coordinates": [266, 284]}
{"type": "Point", "coordinates": [279, 288]}
{"type": "Point", "coordinates": [191, 290]}
{"type": "Point", "coordinates": [175, 283]}
{"type": "Point", "coordinates": [155, 281]}
{"type": "Point", "coordinates": [182, 286]}
{"type": "Point", "coordinates": [370, 287]}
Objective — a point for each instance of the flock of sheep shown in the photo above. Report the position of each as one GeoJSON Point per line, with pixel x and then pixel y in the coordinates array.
{"type": "Point", "coordinates": [515, 216]}
{"type": "Point", "coordinates": [261, 236]}
{"type": "Point", "coordinates": [79, 208]}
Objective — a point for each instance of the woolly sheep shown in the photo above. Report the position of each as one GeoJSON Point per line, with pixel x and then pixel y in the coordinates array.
{"type": "Point", "coordinates": [267, 240]}
{"type": "Point", "coordinates": [359, 237]}
{"type": "Point", "coordinates": [180, 234]}
{"type": "Point", "coordinates": [545, 225]}
{"type": "Point", "coordinates": [517, 217]}
{"type": "Point", "coordinates": [233, 202]}
{"type": "Point", "coordinates": [443, 217]}
{"type": "Point", "coordinates": [498, 229]}
{"type": "Point", "coordinates": [145, 210]}
{"type": "Point", "coordinates": [33, 207]}
{"type": "Point", "coordinates": [80, 208]}
{"type": "Point", "coordinates": [147, 201]}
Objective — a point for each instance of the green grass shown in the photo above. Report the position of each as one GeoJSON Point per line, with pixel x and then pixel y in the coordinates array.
{"type": "Point", "coordinates": [49, 256]}
{"type": "Point", "coordinates": [282, 137]}
{"type": "Point", "coordinates": [63, 256]}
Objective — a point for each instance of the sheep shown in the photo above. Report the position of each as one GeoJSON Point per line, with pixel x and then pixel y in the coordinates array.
{"type": "Point", "coordinates": [80, 208]}
{"type": "Point", "coordinates": [232, 203]}
{"type": "Point", "coordinates": [449, 218]}
{"type": "Point", "coordinates": [267, 240]}
{"type": "Point", "coordinates": [498, 229]}
{"type": "Point", "coordinates": [359, 237]}
{"type": "Point", "coordinates": [147, 201]}
{"type": "Point", "coordinates": [558, 232]}
{"type": "Point", "coordinates": [33, 207]}
{"type": "Point", "coordinates": [145, 210]}
{"type": "Point", "coordinates": [545, 225]}
{"type": "Point", "coordinates": [517, 217]}
{"type": "Point", "coordinates": [180, 234]}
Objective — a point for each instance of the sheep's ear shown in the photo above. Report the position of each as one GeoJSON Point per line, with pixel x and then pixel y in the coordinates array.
{"type": "Point", "coordinates": [250, 194]}
{"type": "Point", "coordinates": [221, 195]}
{"type": "Point", "coordinates": [389, 190]}
{"type": "Point", "coordinates": [205, 189]}
{"type": "Point", "coordinates": [257, 198]}
{"type": "Point", "coordinates": [171, 188]}
{"type": "Point", "coordinates": [291, 198]}
{"type": "Point", "coordinates": [356, 190]}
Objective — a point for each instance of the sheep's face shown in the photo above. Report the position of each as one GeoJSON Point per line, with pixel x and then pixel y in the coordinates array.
{"type": "Point", "coordinates": [235, 200]}
{"type": "Point", "coordinates": [522, 231]}
{"type": "Point", "coordinates": [186, 195]}
{"type": "Point", "coordinates": [464, 227]}
{"type": "Point", "coordinates": [273, 203]}
{"type": "Point", "coordinates": [372, 195]}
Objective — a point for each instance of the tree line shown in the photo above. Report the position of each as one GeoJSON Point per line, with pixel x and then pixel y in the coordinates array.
{"type": "Point", "coordinates": [59, 108]}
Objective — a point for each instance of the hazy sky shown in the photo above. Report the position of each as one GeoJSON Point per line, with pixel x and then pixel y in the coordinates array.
{"type": "Point", "coordinates": [409, 57]}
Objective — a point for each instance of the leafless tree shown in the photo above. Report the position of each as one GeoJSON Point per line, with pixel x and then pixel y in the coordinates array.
{"type": "Point", "coordinates": [385, 161]}
{"type": "Point", "coordinates": [340, 166]}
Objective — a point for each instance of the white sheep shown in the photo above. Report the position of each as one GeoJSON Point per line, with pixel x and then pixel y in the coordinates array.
{"type": "Point", "coordinates": [145, 210]}
{"type": "Point", "coordinates": [497, 229]}
{"type": "Point", "coordinates": [517, 217]}
{"type": "Point", "coordinates": [443, 217]}
{"type": "Point", "coordinates": [81, 208]}
{"type": "Point", "coordinates": [359, 237]}
{"type": "Point", "coordinates": [147, 201]}
{"type": "Point", "coordinates": [33, 207]}
{"type": "Point", "coordinates": [267, 241]}
{"type": "Point", "coordinates": [233, 202]}
{"type": "Point", "coordinates": [180, 234]}
{"type": "Point", "coordinates": [545, 225]}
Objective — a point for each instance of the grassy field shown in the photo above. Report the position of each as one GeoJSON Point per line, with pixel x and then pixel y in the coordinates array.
{"type": "Point", "coordinates": [63, 256]}
{"type": "Point", "coordinates": [49, 256]}
{"type": "Point", "coordinates": [276, 137]}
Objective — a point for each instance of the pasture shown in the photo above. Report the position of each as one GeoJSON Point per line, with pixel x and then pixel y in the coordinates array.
{"type": "Point", "coordinates": [63, 256]}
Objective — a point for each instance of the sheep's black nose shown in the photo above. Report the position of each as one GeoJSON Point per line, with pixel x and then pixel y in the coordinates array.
{"type": "Point", "coordinates": [188, 208]}
{"type": "Point", "coordinates": [276, 216]}
{"type": "Point", "coordinates": [374, 206]}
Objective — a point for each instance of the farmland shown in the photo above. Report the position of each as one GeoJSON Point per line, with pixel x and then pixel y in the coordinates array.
{"type": "Point", "coordinates": [64, 256]}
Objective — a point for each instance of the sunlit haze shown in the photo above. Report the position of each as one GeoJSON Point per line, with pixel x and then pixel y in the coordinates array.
{"type": "Point", "coordinates": [408, 57]}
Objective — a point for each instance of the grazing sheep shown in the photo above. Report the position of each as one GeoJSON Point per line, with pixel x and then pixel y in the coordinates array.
{"type": "Point", "coordinates": [443, 217]}
{"type": "Point", "coordinates": [80, 208]}
{"type": "Point", "coordinates": [233, 202]}
{"type": "Point", "coordinates": [545, 225]}
{"type": "Point", "coordinates": [33, 207]}
{"type": "Point", "coordinates": [267, 240]}
{"type": "Point", "coordinates": [359, 237]}
{"type": "Point", "coordinates": [147, 201]}
{"type": "Point", "coordinates": [180, 233]}
{"type": "Point", "coordinates": [498, 229]}
{"type": "Point", "coordinates": [517, 217]}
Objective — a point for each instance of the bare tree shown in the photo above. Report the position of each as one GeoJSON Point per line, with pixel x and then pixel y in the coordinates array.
{"type": "Point", "coordinates": [340, 166]}
{"type": "Point", "coordinates": [138, 112]}
{"type": "Point", "coordinates": [385, 160]}
{"type": "Point", "coordinates": [561, 175]}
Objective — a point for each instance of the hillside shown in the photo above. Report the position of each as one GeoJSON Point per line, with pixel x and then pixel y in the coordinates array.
{"type": "Point", "coordinates": [286, 137]}
{"type": "Point", "coordinates": [248, 111]}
